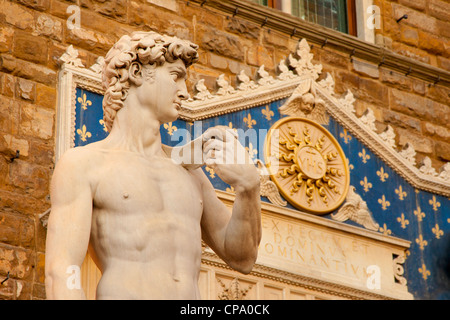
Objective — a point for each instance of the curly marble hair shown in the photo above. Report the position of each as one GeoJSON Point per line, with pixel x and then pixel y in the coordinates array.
{"type": "Point", "coordinates": [146, 48]}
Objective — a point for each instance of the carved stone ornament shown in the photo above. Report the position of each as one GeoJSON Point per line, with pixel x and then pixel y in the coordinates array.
{"type": "Point", "coordinates": [427, 168]}
{"type": "Point", "coordinates": [70, 57]}
{"type": "Point", "coordinates": [356, 210]}
{"type": "Point", "coordinates": [267, 187]}
{"type": "Point", "coordinates": [306, 104]}
{"type": "Point", "coordinates": [307, 164]}
{"type": "Point", "coordinates": [399, 270]}
{"type": "Point", "coordinates": [233, 291]}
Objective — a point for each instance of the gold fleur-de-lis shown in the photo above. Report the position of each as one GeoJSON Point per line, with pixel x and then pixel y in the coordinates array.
{"type": "Point", "coordinates": [211, 172]}
{"type": "Point", "coordinates": [84, 133]}
{"type": "Point", "coordinates": [384, 229]}
{"type": "Point", "coordinates": [401, 194]}
{"type": "Point", "coordinates": [364, 156]}
{"type": "Point", "coordinates": [384, 203]}
{"type": "Point", "coordinates": [433, 202]}
{"type": "Point", "coordinates": [249, 121]}
{"type": "Point", "coordinates": [421, 242]}
{"type": "Point", "coordinates": [84, 102]}
{"type": "Point", "coordinates": [419, 214]}
{"type": "Point", "coordinates": [350, 166]}
{"type": "Point", "coordinates": [267, 113]}
{"type": "Point", "coordinates": [346, 136]}
{"type": "Point", "coordinates": [230, 189]}
{"type": "Point", "coordinates": [403, 222]}
{"type": "Point", "coordinates": [170, 128]}
{"type": "Point", "coordinates": [383, 175]}
{"type": "Point", "coordinates": [230, 125]}
{"type": "Point", "coordinates": [103, 123]}
{"type": "Point", "coordinates": [367, 185]}
{"type": "Point", "coordinates": [437, 231]}
{"type": "Point", "coordinates": [251, 151]}
{"type": "Point", "coordinates": [425, 273]}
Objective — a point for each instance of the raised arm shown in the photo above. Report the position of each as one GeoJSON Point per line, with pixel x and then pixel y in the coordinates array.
{"type": "Point", "coordinates": [68, 228]}
{"type": "Point", "coordinates": [234, 236]}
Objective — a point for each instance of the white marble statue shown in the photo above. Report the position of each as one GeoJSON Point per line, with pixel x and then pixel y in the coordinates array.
{"type": "Point", "coordinates": [141, 214]}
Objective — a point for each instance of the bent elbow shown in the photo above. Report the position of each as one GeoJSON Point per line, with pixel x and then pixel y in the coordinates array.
{"type": "Point", "coordinates": [243, 266]}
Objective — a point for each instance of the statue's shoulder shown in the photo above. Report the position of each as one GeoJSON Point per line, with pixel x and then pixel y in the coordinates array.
{"type": "Point", "coordinates": [78, 159]}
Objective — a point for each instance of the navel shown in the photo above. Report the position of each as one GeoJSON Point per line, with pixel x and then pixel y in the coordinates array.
{"type": "Point", "coordinates": [125, 195]}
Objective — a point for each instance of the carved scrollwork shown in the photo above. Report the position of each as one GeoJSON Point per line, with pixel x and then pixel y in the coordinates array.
{"type": "Point", "coordinates": [399, 270]}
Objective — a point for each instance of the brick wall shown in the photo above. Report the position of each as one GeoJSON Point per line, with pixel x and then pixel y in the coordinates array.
{"type": "Point", "coordinates": [34, 34]}
{"type": "Point", "coordinates": [423, 36]}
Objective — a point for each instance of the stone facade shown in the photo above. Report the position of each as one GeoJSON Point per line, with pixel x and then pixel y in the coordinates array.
{"type": "Point", "coordinates": [35, 33]}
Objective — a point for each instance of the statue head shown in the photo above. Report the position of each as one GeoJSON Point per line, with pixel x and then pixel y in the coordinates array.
{"type": "Point", "coordinates": [138, 50]}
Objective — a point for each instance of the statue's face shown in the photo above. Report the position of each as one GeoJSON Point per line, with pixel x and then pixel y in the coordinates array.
{"type": "Point", "coordinates": [163, 89]}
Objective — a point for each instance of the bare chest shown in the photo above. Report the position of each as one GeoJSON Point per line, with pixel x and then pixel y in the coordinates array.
{"type": "Point", "coordinates": [134, 184]}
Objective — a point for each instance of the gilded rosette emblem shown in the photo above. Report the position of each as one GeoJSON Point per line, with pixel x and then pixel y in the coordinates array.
{"type": "Point", "coordinates": [307, 164]}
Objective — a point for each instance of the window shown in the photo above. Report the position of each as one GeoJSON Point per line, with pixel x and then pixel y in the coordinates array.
{"type": "Point", "coordinates": [334, 14]}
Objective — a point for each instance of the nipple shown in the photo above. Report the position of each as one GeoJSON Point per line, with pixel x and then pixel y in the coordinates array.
{"type": "Point", "coordinates": [125, 195]}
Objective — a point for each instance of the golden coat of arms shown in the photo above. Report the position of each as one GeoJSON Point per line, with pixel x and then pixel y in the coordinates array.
{"type": "Point", "coordinates": [307, 164]}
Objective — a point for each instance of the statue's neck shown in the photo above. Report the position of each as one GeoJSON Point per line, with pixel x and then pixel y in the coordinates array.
{"type": "Point", "coordinates": [137, 131]}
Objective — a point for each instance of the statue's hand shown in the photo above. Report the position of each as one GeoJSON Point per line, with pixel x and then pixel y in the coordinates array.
{"type": "Point", "coordinates": [223, 152]}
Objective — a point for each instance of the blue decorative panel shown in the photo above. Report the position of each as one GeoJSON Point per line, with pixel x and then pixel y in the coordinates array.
{"type": "Point", "coordinates": [401, 211]}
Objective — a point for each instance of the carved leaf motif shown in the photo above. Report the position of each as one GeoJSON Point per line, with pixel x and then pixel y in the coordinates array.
{"type": "Point", "coordinates": [426, 167]}
{"type": "Point", "coordinates": [285, 73]}
{"type": "Point", "coordinates": [245, 82]}
{"type": "Point", "coordinates": [409, 154]}
{"type": "Point", "coordinates": [264, 77]}
{"type": "Point", "coordinates": [368, 118]}
{"type": "Point", "coordinates": [202, 91]}
{"type": "Point", "coordinates": [444, 172]}
{"type": "Point", "coordinates": [224, 87]}
{"type": "Point", "coordinates": [304, 65]}
{"type": "Point", "coordinates": [71, 57]}
{"type": "Point", "coordinates": [347, 101]}
{"type": "Point", "coordinates": [233, 291]}
{"type": "Point", "coordinates": [388, 136]}
{"type": "Point", "coordinates": [97, 67]}
{"type": "Point", "coordinates": [328, 83]}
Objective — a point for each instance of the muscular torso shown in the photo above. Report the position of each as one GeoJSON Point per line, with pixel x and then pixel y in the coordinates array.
{"type": "Point", "coordinates": [145, 232]}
